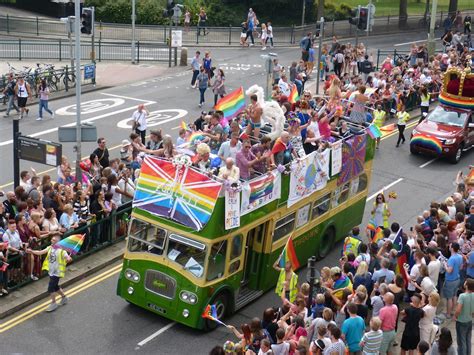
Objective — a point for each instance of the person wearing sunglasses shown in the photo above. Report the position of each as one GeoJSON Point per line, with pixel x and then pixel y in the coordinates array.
{"type": "Point", "coordinates": [380, 212]}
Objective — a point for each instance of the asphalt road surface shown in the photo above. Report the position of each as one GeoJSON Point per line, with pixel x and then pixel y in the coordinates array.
{"type": "Point", "coordinates": [96, 320]}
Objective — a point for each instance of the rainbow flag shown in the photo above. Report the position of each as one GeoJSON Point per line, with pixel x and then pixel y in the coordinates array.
{"type": "Point", "coordinates": [400, 269]}
{"type": "Point", "coordinates": [289, 254]}
{"type": "Point", "coordinates": [185, 126]}
{"type": "Point", "coordinates": [378, 235]}
{"type": "Point", "coordinates": [374, 132]}
{"type": "Point", "coordinates": [293, 95]}
{"type": "Point", "coordinates": [195, 138]}
{"type": "Point", "coordinates": [260, 188]}
{"type": "Point", "coordinates": [210, 312]}
{"type": "Point", "coordinates": [232, 104]}
{"type": "Point", "coordinates": [432, 143]}
{"type": "Point", "coordinates": [179, 193]}
{"type": "Point", "coordinates": [71, 244]}
{"type": "Point", "coordinates": [371, 226]}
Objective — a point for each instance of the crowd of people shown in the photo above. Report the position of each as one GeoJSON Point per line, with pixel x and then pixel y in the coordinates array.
{"type": "Point", "coordinates": [361, 304]}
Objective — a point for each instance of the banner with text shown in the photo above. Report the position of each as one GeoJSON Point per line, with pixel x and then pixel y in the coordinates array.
{"type": "Point", "coordinates": [308, 175]}
{"type": "Point", "coordinates": [260, 191]}
{"type": "Point", "coordinates": [232, 209]}
{"type": "Point", "coordinates": [336, 157]}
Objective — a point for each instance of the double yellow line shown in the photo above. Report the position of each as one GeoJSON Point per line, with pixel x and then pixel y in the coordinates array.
{"type": "Point", "coordinates": [70, 292]}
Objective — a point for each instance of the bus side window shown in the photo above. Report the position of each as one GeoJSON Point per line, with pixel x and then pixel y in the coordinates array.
{"type": "Point", "coordinates": [217, 256]}
{"type": "Point", "coordinates": [362, 182]}
{"type": "Point", "coordinates": [284, 226]}
{"type": "Point", "coordinates": [235, 252]}
{"type": "Point", "coordinates": [321, 206]}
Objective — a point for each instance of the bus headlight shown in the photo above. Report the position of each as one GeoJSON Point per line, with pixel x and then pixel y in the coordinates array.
{"type": "Point", "coordinates": [130, 290]}
{"type": "Point", "coordinates": [188, 297]}
{"type": "Point", "coordinates": [132, 275]}
{"type": "Point", "coordinates": [185, 313]}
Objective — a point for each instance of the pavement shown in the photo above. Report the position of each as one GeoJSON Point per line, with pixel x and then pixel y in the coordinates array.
{"type": "Point", "coordinates": [95, 320]}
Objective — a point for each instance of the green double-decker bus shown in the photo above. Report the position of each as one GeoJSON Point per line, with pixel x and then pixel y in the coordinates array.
{"type": "Point", "coordinates": [175, 271]}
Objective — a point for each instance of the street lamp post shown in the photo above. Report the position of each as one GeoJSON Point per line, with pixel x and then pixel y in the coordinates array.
{"type": "Point", "coordinates": [320, 45]}
{"type": "Point", "coordinates": [431, 35]}
{"type": "Point", "coordinates": [78, 90]}
{"type": "Point", "coordinates": [133, 33]}
{"type": "Point", "coordinates": [303, 14]}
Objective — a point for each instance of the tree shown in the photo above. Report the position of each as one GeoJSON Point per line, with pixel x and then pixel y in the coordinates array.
{"type": "Point", "coordinates": [320, 12]}
{"type": "Point", "coordinates": [403, 14]}
{"type": "Point", "coordinates": [453, 6]}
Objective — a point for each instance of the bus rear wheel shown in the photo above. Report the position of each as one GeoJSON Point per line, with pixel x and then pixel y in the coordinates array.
{"type": "Point", "coordinates": [222, 303]}
{"type": "Point", "coordinates": [326, 244]}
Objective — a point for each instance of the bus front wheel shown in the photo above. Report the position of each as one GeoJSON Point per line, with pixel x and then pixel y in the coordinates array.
{"type": "Point", "coordinates": [326, 243]}
{"type": "Point", "coordinates": [222, 303]}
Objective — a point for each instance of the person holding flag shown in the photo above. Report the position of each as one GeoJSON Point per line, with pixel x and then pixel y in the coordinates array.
{"type": "Point", "coordinates": [55, 264]}
{"type": "Point", "coordinates": [287, 284]}
{"type": "Point", "coordinates": [352, 242]}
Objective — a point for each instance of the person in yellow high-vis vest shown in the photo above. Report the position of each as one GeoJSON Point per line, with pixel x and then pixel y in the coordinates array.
{"type": "Point", "coordinates": [379, 120]}
{"type": "Point", "coordinates": [380, 211]}
{"type": "Point", "coordinates": [287, 284]}
{"type": "Point", "coordinates": [55, 265]}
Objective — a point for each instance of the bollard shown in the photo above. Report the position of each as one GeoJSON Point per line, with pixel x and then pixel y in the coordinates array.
{"type": "Point", "coordinates": [184, 57]}
{"type": "Point", "coordinates": [312, 279]}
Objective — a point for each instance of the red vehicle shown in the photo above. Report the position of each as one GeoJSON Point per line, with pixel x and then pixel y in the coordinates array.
{"type": "Point", "coordinates": [447, 132]}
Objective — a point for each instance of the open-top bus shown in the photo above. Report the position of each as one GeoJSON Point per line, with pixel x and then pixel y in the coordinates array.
{"type": "Point", "coordinates": [176, 262]}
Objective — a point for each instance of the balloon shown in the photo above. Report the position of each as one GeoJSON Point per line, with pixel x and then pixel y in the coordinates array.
{"type": "Point", "coordinates": [216, 162]}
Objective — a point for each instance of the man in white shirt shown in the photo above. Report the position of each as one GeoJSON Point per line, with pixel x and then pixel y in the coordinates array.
{"type": "Point", "coordinates": [139, 121]}
{"type": "Point", "coordinates": [284, 86]}
{"type": "Point", "coordinates": [434, 266]}
{"type": "Point", "coordinates": [229, 148]}
{"type": "Point", "coordinates": [25, 180]}
{"type": "Point", "coordinates": [126, 184]}
{"type": "Point", "coordinates": [229, 172]}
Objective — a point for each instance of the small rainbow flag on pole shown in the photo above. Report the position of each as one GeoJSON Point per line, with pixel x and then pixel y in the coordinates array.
{"type": "Point", "coordinates": [374, 132]}
{"type": "Point", "coordinates": [232, 104]}
{"type": "Point", "coordinates": [371, 226]}
{"type": "Point", "coordinates": [211, 313]}
{"type": "Point", "coordinates": [378, 235]}
{"type": "Point", "coordinates": [289, 254]}
{"type": "Point", "coordinates": [293, 95]}
{"type": "Point", "coordinates": [71, 244]}
{"type": "Point", "coordinates": [185, 126]}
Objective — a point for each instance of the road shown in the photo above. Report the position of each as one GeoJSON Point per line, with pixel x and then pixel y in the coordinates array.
{"type": "Point", "coordinates": [96, 320]}
{"type": "Point", "coordinates": [107, 324]}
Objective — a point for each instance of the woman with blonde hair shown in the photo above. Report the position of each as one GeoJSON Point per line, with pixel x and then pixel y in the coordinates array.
{"type": "Point", "coordinates": [363, 277]}
{"type": "Point", "coordinates": [427, 330]}
{"type": "Point", "coordinates": [451, 208]}
{"type": "Point", "coordinates": [334, 93]}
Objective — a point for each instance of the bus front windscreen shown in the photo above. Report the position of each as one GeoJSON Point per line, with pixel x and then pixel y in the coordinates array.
{"type": "Point", "coordinates": [188, 253]}
{"type": "Point", "coordinates": [145, 237]}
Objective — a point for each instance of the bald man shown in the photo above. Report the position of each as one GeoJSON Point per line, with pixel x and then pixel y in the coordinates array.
{"type": "Point", "coordinates": [388, 315]}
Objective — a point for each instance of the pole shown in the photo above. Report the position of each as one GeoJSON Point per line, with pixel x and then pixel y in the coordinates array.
{"type": "Point", "coordinates": [78, 90]}
{"type": "Point", "coordinates": [16, 158]}
{"type": "Point", "coordinates": [303, 14]}
{"type": "Point", "coordinates": [133, 33]}
{"type": "Point", "coordinates": [431, 35]}
{"type": "Point", "coordinates": [312, 279]}
{"type": "Point", "coordinates": [368, 17]}
{"type": "Point", "coordinates": [93, 38]}
{"type": "Point", "coordinates": [69, 34]}
{"type": "Point", "coordinates": [320, 48]}
{"type": "Point", "coordinates": [269, 67]}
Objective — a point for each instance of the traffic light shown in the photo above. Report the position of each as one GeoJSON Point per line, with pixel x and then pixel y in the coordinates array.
{"type": "Point", "coordinates": [354, 16]}
{"type": "Point", "coordinates": [363, 18]}
{"type": "Point", "coordinates": [168, 12]}
{"type": "Point", "coordinates": [87, 20]}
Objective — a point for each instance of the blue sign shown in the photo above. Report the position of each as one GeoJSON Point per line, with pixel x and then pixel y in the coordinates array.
{"type": "Point", "coordinates": [89, 71]}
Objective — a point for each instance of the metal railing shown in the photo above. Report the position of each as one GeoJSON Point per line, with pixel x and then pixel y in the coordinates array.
{"type": "Point", "coordinates": [59, 50]}
{"type": "Point", "coordinates": [99, 235]}
{"type": "Point", "coordinates": [37, 27]}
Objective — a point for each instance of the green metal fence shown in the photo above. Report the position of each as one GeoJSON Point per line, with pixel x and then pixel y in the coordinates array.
{"type": "Point", "coordinates": [99, 235]}
{"type": "Point", "coordinates": [59, 50]}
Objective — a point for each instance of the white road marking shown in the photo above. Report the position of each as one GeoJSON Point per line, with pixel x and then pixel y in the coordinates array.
{"type": "Point", "coordinates": [124, 97]}
{"type": "Point", "coordinates": [383, 189]}
{"type": "Point", "coordinates": [427, 163]}
{"type": "Point", "coordinates": [403, 44]}
{"type": "Point", "coordinates": [154, 335]}
{"type": "Point", "coordinates": [91, 106]}
{"type": "Point", "coordinates": [156, 118]}
{"type": "Point", "coordinates": [72, 124]}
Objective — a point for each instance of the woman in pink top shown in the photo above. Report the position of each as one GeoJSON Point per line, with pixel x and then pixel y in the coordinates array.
{"type": "Point", "coordinates": [324, 127]}
{"type": "Point", "coordinates": [43, 91]}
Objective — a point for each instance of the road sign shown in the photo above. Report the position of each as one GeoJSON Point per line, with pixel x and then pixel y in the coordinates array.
{"type": "Point", "coordinates": [39, 151]}
{"type": "Point", "coordinates": [68, 134]}
{"type": "Point", "coordinates": [89, 71]}
{"type": "Point", "coordinates": [177, 38]}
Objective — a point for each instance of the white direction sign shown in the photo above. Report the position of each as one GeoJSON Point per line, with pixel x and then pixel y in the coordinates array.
{"type": "Point", "coordinates": [177, 38]}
